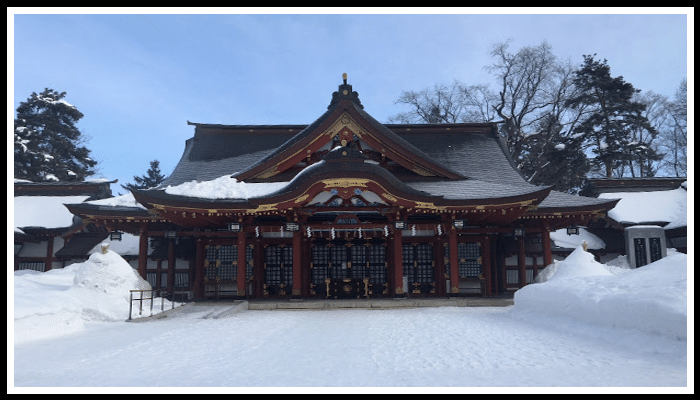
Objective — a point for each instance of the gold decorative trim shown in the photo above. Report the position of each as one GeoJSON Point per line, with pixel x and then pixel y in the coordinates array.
{"type": "Point", "coordinates": [301, 198]}
{"type": "Point", "coordinates": [345, 182]}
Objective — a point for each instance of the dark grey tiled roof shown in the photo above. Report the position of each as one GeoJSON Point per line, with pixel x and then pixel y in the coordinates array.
{"type": "Point", "coordinates": [471, 150]}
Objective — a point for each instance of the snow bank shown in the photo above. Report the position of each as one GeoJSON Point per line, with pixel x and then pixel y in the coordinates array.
{"type": "Point", "coordinates": [652, 298]}
{"type": "Point", "coordinates": [60, 301]}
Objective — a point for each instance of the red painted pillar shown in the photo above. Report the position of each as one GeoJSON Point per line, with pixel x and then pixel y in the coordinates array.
{"type": "Point", "coordinates": [296, 264]}
{"type": "Point", "coordinates": [171, 265]}
{"type": "Point", "coordinates": [398, 264]}
{"type": "Point", "coordinates": [241, 264]}
{"type": "Point", "coordinates": [454, 262]}
{"type": "Point", "coordinates": [486, 264]}
{"type": "Point", "coordinates": [546, 247]}
{"type": "Point", "coordinates": [49, 254]}
{"type": "Point", "coordinates": [143, 252]}
{"type": "Point", "coordinates": [198, 285]}
{"type": "Point", "coordinates": [521, 261]}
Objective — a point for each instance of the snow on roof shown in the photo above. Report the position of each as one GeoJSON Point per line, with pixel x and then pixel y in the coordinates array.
{"type": "Point", "coordinates": [561, 239]}
{"type": "Point", "coordinates": [126, 200]}
{"type": "Point", "coordinates": [128, 246]}
{"type": "Point", "coordinates": [643, 207]}
{"type": "Point", "coordinates": [224, 187]}
{"type": "Point", "coordinates": [44, 211]}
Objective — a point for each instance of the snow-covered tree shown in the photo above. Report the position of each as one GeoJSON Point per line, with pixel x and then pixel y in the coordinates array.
{"type": "Point", "coordinates": [152, 178]}
{"type": "Point", "coordinates": [47, 144]}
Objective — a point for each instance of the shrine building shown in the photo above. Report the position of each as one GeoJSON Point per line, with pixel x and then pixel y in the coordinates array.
{"type": "Point", "coordinates": [345, 207]}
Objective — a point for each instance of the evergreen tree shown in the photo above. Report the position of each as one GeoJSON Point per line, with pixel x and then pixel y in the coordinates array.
{"type": "Point", "coordinates": [611, 117]}
{"type": "Point", "coordinates": [152, 178]}
{"type": "Point", "coordinates": [47, 142]}
{"type": "Point", "coordinates": [552, 158]}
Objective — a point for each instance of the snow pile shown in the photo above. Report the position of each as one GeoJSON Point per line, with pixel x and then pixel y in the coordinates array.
{"type": "Point", "coordinates": [224, 187]}
{"type": "Point", "coordinates": [60, 301]}
{"type": "Point", "coordinates": [652, 298]}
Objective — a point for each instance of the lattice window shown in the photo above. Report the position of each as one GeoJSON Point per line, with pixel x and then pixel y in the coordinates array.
{"type": "Point", "coordinates": [512, 277]}
{"type": "Point", "coordinates": [469, 255]}
{"type": "Point", "coordinates": [32, 265]}
{"type": "Point", "coordinates": [358, 257]}
{"type": "Point", "coordinates": [377, 264]}
{"type": "Point", "coordinates": [221, 262]}
{"type": "Point", "coordinates": [278, 262]}
{"type": "Point", "coordinates": [151, 278]}
{"type": "Point", "coordinates": [418, 263]}
{"type": "Point", "coordinates": [182, 279]}
{"type": "Point", "coordinates": [468, 260]}
{"type": "Point", "coordinates": [319, 258]}
{"type": "Point", "coordinates": [339, 258]}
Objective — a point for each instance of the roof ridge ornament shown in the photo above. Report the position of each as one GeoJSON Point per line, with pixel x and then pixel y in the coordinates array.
{"type": "Point", "coordinates": [345, 92]}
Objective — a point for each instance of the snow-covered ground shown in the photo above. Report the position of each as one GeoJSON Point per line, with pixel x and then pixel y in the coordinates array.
{"type": "Point", "coordinates": [586, 325]}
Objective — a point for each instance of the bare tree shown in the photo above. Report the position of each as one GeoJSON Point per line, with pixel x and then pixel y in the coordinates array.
{"type": "Point", "coordinates": [446, 104]}
{"type": "Point", "coordinates": [522, 96]}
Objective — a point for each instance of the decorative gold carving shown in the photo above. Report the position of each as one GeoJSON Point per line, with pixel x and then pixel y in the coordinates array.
{"type": "Point", "coordinates": [262, 208]}
{"type": "Point", "coordinates": [301, 198]}
{"type": "Point", "coordinates": [422, 171]}
{"type": "Point", "coordinates": [345, 182]}
{"type": "Point", "coordinates": [389, 197]}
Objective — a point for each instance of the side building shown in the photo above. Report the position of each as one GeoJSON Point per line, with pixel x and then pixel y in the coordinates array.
{"type": "Point", "coordinates": [347, 207]}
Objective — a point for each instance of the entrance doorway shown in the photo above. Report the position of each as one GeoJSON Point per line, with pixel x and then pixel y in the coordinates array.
{"type": "Point", "coordinates": [277, 266]}
{"type": "Point", "coordinates": [419, 268]}
{"type": "Point", "coordinates": [347, 263]}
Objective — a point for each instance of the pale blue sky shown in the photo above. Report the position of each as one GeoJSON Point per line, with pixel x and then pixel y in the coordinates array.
{"type": "Point", "coordinates": [139, 78]}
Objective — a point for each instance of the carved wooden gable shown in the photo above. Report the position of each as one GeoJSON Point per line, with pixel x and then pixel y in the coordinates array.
{"type": "Point", "coordinates": [346, 127]}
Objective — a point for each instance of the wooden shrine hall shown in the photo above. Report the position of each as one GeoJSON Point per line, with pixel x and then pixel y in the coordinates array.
{"type": "Point", "coordinates": [346, 207]}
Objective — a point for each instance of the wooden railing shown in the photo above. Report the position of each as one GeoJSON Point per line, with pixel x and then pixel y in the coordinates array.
{"type": "Point", "coordinates": [153, 294]}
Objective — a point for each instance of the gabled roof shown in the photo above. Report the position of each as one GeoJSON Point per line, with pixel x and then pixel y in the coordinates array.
{"type": "Point", "coordinates": [345, 120]}
{"type": "Point", "coordinates": [426, 167]}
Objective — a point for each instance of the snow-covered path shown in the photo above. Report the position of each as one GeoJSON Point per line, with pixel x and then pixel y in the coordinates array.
{"type": "Point", "coordinates": [425, 347]}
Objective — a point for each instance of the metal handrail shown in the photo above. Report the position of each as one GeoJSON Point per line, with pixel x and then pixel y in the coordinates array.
{"type": "Point", "coordinates": [154, 293]}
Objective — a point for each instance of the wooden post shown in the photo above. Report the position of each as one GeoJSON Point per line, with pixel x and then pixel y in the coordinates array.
{"type": "Point", "coordinates": [143, 252]}
{"type": "Point", "coordinates": [198, 285]}
{"type": "Point", "coordinates": [486, 264]}
{"type": "Point", "coordinates": [171, 265]}
{"type": "Point", "coordinates": [546, 247]}
{"type": "Point", "coordinates": [522, 276]}
{"type": "Point", "coordinates": [296, 264]}
{"type": "Point", "coordinates": [48, 264]}
{"type": "Point", "coordinates": [240, 276]}
{"type": "Point", "coordinates": [454, 262]}
{"type": "Point", "coordinates": [398, 264]}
